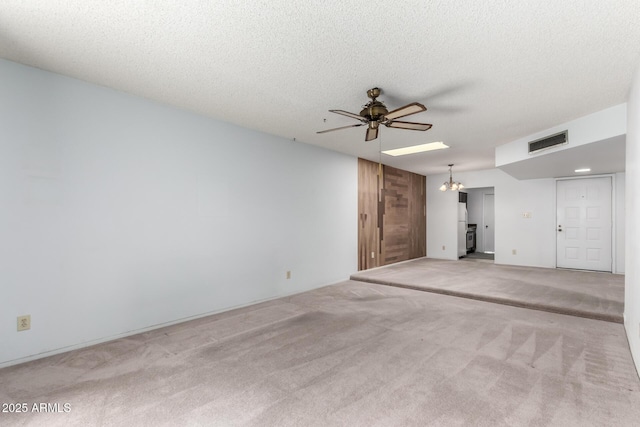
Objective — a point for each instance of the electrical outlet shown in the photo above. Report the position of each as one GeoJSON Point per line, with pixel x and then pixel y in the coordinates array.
{"type": "Point", "coordinates": [288, 274]}
{"type": "Point", "coordinates": [373, 255]}
{"type": "Point", "coordinates": [24, 322]}
{"type": "Point", "coordinates": [513, 252]}
{"type": "Point", "coordinates": [526, 215]}
{"type": "Point", "coordinates": [443, 247]}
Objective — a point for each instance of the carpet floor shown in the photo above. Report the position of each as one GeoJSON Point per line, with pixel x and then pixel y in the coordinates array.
{"type": "Point", "coordinates": [350, 354]}
{"type": "Point", "coordinates": [579, 293]}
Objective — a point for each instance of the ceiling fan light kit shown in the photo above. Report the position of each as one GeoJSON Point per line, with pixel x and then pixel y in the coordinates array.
{"type": "Point", "coordinates": [451, 184]}
{"type": "Point", "coordinates": [375, 113]}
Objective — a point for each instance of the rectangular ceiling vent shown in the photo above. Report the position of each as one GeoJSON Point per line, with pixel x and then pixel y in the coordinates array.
{"type": "Point", "coordinates": [548, 142]}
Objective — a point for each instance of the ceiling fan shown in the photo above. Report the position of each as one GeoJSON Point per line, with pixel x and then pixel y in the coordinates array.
{"type": "Point", "coordinates": [374, 114]}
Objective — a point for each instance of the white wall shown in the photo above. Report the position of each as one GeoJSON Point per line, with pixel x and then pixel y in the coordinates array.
{"type": "Point", "coordinates": [598, 126]}
{"type": "Point", "coordinates": [620, 222]}
{"type": "Point", "coordinates": [533, 239]}
{"type": "Point", "coordinates": [442, 220]}
{"type": "Point", "coordinates": [118, 214]}
{"type": "Point", "coordinates": [632, 248]}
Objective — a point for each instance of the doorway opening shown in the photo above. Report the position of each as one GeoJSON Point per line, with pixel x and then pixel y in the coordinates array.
{"type": "Point", "coordinates": [481, 222]}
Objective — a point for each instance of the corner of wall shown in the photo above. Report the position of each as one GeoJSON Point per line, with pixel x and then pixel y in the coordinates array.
{"type": "Point", "coordinates": [632, 209]}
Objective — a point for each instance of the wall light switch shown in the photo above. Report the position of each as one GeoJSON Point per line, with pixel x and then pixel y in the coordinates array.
{"type": "Point", "coordinates": [288, 274]}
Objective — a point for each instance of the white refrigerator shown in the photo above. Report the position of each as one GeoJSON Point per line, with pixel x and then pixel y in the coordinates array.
{"type": "Point", "coordinates": [462, 229]}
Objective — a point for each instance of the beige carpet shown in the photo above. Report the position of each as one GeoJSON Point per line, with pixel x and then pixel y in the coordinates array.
{"type": "Point", "coordinates": [578, 293]}
{"type": "Point", "coordinates": [351, 354]}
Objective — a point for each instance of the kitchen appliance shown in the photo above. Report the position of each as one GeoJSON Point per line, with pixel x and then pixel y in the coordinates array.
{"type": "Point", "coordinates": [471, 238]}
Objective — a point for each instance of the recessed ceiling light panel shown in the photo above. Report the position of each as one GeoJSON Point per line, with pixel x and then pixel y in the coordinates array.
{"type": "Point", "coordinates": [416, 149]}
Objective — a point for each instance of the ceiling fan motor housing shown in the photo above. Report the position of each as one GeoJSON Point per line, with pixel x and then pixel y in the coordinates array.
{"type": "Point", "coordinates": [374, 111]}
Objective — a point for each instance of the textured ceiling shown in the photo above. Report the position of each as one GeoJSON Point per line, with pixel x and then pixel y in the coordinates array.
{"type": "Point", "coordinates": [488, 71]}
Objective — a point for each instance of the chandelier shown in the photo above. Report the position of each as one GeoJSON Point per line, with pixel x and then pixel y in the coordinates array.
{"type": "Point", "coordinates": [451, 185]}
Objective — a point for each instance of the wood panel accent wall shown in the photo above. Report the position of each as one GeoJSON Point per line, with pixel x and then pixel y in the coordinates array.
{"type": "Point", "coordinates": [392, 215]}
{"type": "Point", "coordinates": [418, 216]}
{"type": "Point", "coordinates": [368, 230]}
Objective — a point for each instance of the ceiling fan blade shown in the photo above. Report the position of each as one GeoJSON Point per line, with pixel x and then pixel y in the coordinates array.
{"type": "Point", "coordinates": [343, 127]}
{"type": "Point", "coordinates": [409, 125]}
{"type": "Point", "coordinates": [371, 134]}
{"type": "Point", "coordinates": [348, 114]}
{"type": "Point", "coordinates": [414, 107]}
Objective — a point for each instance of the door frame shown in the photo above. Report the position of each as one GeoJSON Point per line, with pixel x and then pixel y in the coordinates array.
{"type": "Point", "coordinates": [614, 224]}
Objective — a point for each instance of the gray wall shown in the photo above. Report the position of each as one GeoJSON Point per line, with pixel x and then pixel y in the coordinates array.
{"type": "Point", "coordinates": [119, 214]}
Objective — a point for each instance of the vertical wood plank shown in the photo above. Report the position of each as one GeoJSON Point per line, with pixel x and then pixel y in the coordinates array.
{"type": "Point", "coordinates": [417, 217]}
{"type": "Point", "coordinates": [368, 235]}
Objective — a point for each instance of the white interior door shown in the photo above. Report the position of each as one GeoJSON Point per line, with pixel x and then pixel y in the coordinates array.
{"type": "Point", "coordinates": [584, 224]}
{"type": "Point", "coordinates": [489, 221]}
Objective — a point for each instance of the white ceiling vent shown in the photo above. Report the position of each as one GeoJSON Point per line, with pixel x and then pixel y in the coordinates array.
{"type": "Point", "coordinates": [549, 141]}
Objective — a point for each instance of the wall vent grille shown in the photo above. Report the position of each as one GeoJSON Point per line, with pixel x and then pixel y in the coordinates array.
{"type": "Point", "coordinates": [548, 142]}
